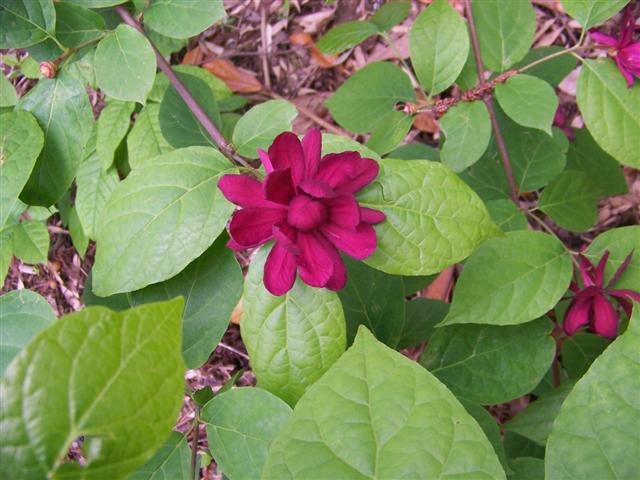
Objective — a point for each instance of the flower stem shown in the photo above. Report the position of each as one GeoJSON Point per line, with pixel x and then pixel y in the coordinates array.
{"type": "Point", "coordinates": [182, 90]}
{"type": "Point", "coordinates": [551, 57]}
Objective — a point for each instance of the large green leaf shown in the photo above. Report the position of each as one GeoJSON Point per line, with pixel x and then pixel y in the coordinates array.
{"type": "Point", "coordinates": [114, 378]}
{"type": "Point", "coordinates": [487, 177]}
{"type": "Point", "coordinates": [21, 141]}
{"type": "Point", "coordinates": [571, 200]}
{"type": "Point", "coordinates": [529, 101]}
{"type": "Point", "coordinates": [377, 414]}
{"type": "Point", "coordinates": [438, 43]}
{"type": "Point", "coordinates": [505, 31]}
{"type": "Point", "coordinates": [171, 462]}
{"type": "Point", "coordinates": [508, 217]}
{"type": "Point", "coordinates": [386, 137]}
{"type": "Point", "coordinates": [25, 22]}
{"type": "Point", "coordinates": [63, 111]}
{"type": "Point", "coordinates": [579, 352]}
{"type": "Point", "coordinates": [526, 468]}
{"type": "Point", "coordinates": [592, 12]}
{"type": "Point", "coordinates": [391, 14]}
{"type": "Point", "coordinates": [369, 96]}
{"type": "Point", "coordinates": [610, 110]}
{"type": "Point", "coordinates": [145, 139]}
{"type": "Point", "coordinates": [160, 218]}
{"type": "Point", "coordinates": [491, 364]}
{"type": "Point", "coordinates": [241, 424]}
{"type": "Point", "coordinates": [125, 65]}
{"type": "Point", "coordinates": [552, 71]}
{"type": "Point", "coordinates": [180, 18]}
{"type": "Point", "coordinates": [489, 426]}
{"type": "Point", "coordinates": [536, 421]}
{"type": "Point", "coordinates": [501, 286]}
{"type": "Point", "coordinates": [8, 94]}
{"type": "Point", "coordinates": [345, 36]}
{"type": "Point", "coordinates": [76, 25]}
{"type": "Point", "coordinates": [467, 129]}
{"type": "Point", "coordinates": [31, 241]}
{"type": "Point", "coordinates": [292, 339]}
{"type": "Point", "coordinates": [113, 125]}
{"type": "Point", "coordinates": [374, 299]}
{"type": "Point", "coordinates": [596, 433]}
{"type": "Point", "coordinates": [23, 314]}
{"type": "Point", "coordinates": [586, 156]}
{"type": "Point", "coordinates": [259, 126]}
{"type": "Point", "coordinates": [97, 3]}
{"type": "Point", "coordinates": [433, 218]}
{"type": "Point", "coordinates": [422, 315]}
{"type": "Point", "coordinates": [218, 88]}
{"type": "Point", "coordinates": [620, 242]}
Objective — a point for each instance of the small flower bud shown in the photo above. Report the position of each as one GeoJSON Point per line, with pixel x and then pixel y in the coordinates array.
{"type": "Point", "coordinates": [48, 69]}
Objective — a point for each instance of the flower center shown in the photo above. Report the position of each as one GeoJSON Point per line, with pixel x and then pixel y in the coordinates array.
{"type": "Point", "coordinates": [305, 213]}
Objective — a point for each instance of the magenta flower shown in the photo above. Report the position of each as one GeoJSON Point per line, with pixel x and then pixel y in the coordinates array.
{"type": "Point", "coordinates": [307, 205]}
{"type": "Point", "coordinates": [624, 50]}
{"type": "Point", "coordinates": [591, 303]}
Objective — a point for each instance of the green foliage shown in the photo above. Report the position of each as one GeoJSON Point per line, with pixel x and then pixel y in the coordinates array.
{"type": "Point", "coordinates": [8, 94]}
{"type": "Point", "coordinates": [25, 22]}
{"type": "Point", "coordinates": [76, 25]}
{"type": "Point", "coordinates": [146, 139]}
{"type": "Point", "coordinates": [579, 352]}
{"type": "Point", "coordinates": [31, 241]}
{"type": "Point", "coordinates": [391, 14]}
{"type": "Point", "coordinates": [467, 128]}
{"type": "Point", "coordinates": [422, 315]}
{"type": "Point", "coordinates": [592, 12]}
{"type": "Point", "coordinates": [413, 427]}
{"type": "Point", "coordinates": [171, 461]}
{"type": "Point", "coordinates": [113, 126]}
{"type": "Point", "coordinates": [346, 35]}
{"type": "Point", "coordinates": [552, 71]}
{"type": "Point", "coordinates": [571, 200]}
{"type": "Point", "coordinates": [508, 217]}
{"type": "Point", "coordinates": [620, 242]}
{"type": "Point", "coordinates": [181, 19]}
{"type": "Point", "coordinates": [91, 385]}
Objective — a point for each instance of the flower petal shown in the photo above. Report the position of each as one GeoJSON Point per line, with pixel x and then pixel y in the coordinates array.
{"type": "Point", "coordinates": [286, 236]}
{"type": "Point", "coordinates": [286, 152]}
{"type": "Point", "coordinates": [577, 315]}
{"type": "Point", "coordinates": [369, 215]}
{"type": "Point", "coordinates": [359, 242]}
{"type": "Point", "coordinates": [280, 270]}
{"type": "Point", "coordinates": [254, 226]}
{"type": "Point", "coordinates": [344, 211]}
{"type": "Point", "coordinates": [625, 293]}
{"type": "Point", "coordinates": [244, 191]}
{"type": "Point", "coordinates": [339, 278]}
{"type": "Point", "coordinates": [603, 39]}
{"type": "Point", "coordinates": [605, 317]}
{"type": "Point", "coordinates": [312, 146]}
{"type": "Point", "coordinates": [623, 266]}
{"type": "Point", "coordinates": [586, 271]}
{"type": "Point", "coordinates": [266, 161]}
{"type": "Point", "coordinates": [367, 170]}
{"type": "Point", "coordinates": [628, 76]}
{"type": "Point", "coordinates": [278, 186]}
{"type": "Point", "coordinates": [600, 269]}
{"type": "Point", "coordinates": [317, 189]}
{"type": "Point", "coordinates": [316, 261]}
{"type": "Point", "coordinates": [347, 172]}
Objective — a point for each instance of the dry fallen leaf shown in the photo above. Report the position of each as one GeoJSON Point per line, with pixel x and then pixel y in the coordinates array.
{"type": "Point", "coordinates": [426, 122]}
{"type": "Point", "coordinates": [237, 313]}
{"type": "Point", "coordinates": [193, 57]}
{"type": "Point", "coordinates": [237, 79]}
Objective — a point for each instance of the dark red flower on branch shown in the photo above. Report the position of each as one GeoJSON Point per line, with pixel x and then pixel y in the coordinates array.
{"type": "Point", "coordinates": [307, 205]}
{"type": "Point", "coordinates": [624, 50]}
{"type": "Point", "coordinates": [591, 304]}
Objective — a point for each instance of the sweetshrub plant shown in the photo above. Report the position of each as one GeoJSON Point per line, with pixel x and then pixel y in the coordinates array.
{"type": "Point", "coordinates": [349, 234]}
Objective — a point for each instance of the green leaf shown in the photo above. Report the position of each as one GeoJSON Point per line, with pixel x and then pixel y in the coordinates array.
{"type": "Point", "coordinates": [552, 71]}
{"type": "Point", "coordinates": [508, 217]}
{"type": "Point", "coordinates": [385, 138]}
{"type": "Point", "coordinates": [414, 284]}
{"type": "Point", "coordinates": [172, 461]}
{"type": "Point", "coordinates": [526, 468]}
{"type": "Point", "coordinates": [21, 141]}
{"type": "Point", "coordinates": [336, 144]}
{"type": "Point", "coordinates": [8, 94]}
{"type": "Point", "coordinates": [166, 45]}
{"type": "Point", "coordinates": [346, 35]}
{"type": "Point", "coordinates": [500, 286]}
{"type": "Point", "coordinates": [439, 44]}
{"type": "Point", "coordinates": [76, 25]}
{"type": "Point", "coordinates": [536, 421]}
{"type": "Point", "coordinates": [113, 125]}
{"type": "Point", "coordinates": [31, 241]}
{"type": "Point", "coordinates": [374, 299]}
{"type": "Point", "coordinates": [580, 447]}
{"type": "Point", "coordinates": [47, 50]}
{"type": "Point", "coordinates": [145, 236]}
{"type": "Point", "coordinates": [529, 101]}
{"type": "Point", "coordinates": [292, 339]}
{"type": "Point", "coordinates": [391, 14]}
{"type": "Point", "coordinates": [592, 12]}
{"type": "Point", "coordinates": [81, 67]}
{"type": "Point", "coordinates": [259, 126]}
{"type": "Point", "coordinates": [571, 200]}
{"type": "Point", "coordinates": [579, 352]}
{"type": "Point", "coordinates": [23, 314]}
{"type": "Point", "coordinates": [347, 426]}
{"type": "Point", "coordinates": [241, 424]}
{"type": "Point", "coordinates": [489, 426]}
{"type": "Point", "coordinates": [586, 156]}
{"type": "Point", "coordinates": [620, 242]}
{"type": "Point", "coordinates": [218, 88]}
{"type": "Point", "coordinates": [487, 177]}
{"type": "Point", "coordinates": [180, 19]}
{"type": "Point", "coordinates": [125, 65]}
{"type": "Point", "coordinates": [505, 31]}
{"type": "Point", "coordinates": [491, 364]}
{"type": "Point", "coordinates": [97, 3]}
{"type": "Point", "coordinates": [64, 113]}
{"type": "Point", "coordinates": [94, 186]}
{"type": "Point", "coordinates": [431, 216]}
{"type": "Point", "coordinates": [6, 251]}
{"type": "Point", "coordinates": [79, 238]}
{"type": "Point", "coordinates": [368, 98]}
{"type": "Point", "coordinates": [415, 151]}
{"type": "Point", "coordinates": [145, 139]}
{"type": "Point", "coordinates": [85, 373]}
{"type": "Point", "coordinates": [467, 129]}
{"type": "Point", "coordinates": [422, 315]}
{"type": "Point", "coordinates": [178, 124]}
{"type": "Point", "coordinates": [25, 22]}
{"type": "Point", "coordinates": [610, 110]}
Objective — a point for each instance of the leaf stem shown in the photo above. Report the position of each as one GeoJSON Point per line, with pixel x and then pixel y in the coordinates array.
{"type": "Point", "coordinates": [194, 442]}
{"type": "Point", "coordinates": [551, 57]}
{"type": "Point", "coordinates": [224, 146]}
{"type": "Point", "coordinates": [502, 147]}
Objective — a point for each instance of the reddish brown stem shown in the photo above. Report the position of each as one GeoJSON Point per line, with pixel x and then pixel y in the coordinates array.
{"type": "Point", "coordinates": [184, 92]}
{"type": "Point", "coordinates": [504, 154]}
